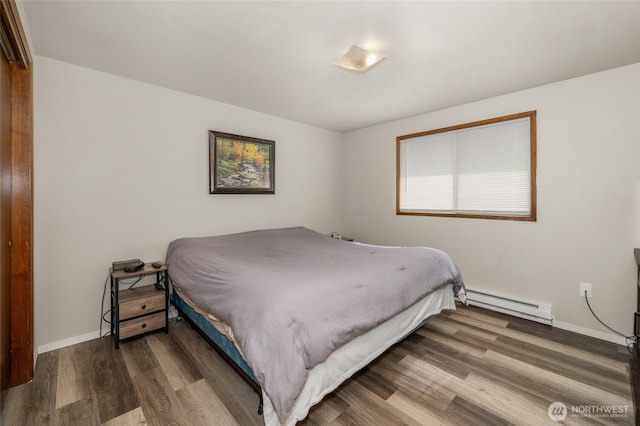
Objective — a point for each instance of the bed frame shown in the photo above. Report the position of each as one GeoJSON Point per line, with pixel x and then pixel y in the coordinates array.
{"type": "Point", "coordinates": [221, 343]}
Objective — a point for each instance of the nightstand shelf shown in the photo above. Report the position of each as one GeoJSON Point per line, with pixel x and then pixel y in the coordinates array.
{"type": "Point", "coordinates": [139, 310]}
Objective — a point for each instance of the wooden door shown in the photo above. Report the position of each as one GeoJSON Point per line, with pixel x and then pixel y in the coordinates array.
{"type": "Point", "coordinates": [5, 220]}
{"type": "Point", "coordinates": [16, 201]}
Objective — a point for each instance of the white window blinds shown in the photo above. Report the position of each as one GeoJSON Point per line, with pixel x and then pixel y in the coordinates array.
{"type": "Point", "coordinates": [480, 170]}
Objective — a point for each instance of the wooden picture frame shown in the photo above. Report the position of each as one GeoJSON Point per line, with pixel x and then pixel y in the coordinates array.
{"type": "Point", "coordinates": [241, 164]}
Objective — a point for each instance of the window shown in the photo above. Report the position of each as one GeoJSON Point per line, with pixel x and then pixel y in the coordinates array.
{"type": "Point", "coordinates": [485, 169]}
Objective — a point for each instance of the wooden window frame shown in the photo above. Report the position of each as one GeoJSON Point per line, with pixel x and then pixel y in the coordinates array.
{"type": "Point", "coordinates": [531, 217]}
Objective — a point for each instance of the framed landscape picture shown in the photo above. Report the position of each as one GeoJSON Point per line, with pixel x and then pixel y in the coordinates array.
{"type": "Point", "coordinates": [241, 164]}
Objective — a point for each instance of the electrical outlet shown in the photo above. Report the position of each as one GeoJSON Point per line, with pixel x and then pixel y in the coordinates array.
{"type": "Point", "coordinates": [586, 287]}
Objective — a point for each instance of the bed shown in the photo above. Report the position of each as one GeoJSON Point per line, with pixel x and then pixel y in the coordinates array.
{"type": "Point", "coordinates": [298, 313]}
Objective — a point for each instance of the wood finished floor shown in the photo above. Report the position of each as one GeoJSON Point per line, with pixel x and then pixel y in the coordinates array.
{"type": "Point", "coordinates": [465, 367]}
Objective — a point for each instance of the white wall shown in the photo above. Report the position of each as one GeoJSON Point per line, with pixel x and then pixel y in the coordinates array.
{"type": "Point", "coordinates": [121, 169]}
{"type": "Point", "coordinates": [588, 200]}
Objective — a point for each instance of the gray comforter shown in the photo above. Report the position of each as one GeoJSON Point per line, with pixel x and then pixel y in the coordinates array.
{"type": "Point", "coordinates": [292, 296]}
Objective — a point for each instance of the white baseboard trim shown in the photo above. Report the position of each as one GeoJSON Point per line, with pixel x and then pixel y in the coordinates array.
{"type": "Point", "coordinates": [609, 337]}
{"type": "Point", "coordinates": [68, 342]}
{"type": "Point", "coordinates": [58, 344]}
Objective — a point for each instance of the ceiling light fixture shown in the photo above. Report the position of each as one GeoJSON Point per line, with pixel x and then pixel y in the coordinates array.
{"type": "Point", "coordinates": [359, 59]}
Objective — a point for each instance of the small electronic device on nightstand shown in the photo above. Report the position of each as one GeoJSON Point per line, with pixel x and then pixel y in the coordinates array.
{"type": "Point", "coordinates": [119, 265]}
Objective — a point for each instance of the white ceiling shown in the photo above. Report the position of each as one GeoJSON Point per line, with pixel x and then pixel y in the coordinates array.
{"type": "Point", "coordinates": [277, 57]}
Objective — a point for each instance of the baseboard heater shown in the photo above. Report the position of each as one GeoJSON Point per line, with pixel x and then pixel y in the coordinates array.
{"type": "Point", "coordinates": [531, 311]}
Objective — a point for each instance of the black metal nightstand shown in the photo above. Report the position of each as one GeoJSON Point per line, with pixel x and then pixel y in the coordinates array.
{"type": "Point", "coordinates": [139, 310]}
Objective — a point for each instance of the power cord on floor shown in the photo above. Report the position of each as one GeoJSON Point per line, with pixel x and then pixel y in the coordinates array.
{"type": "Point", "coordinates": [629, 340]}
